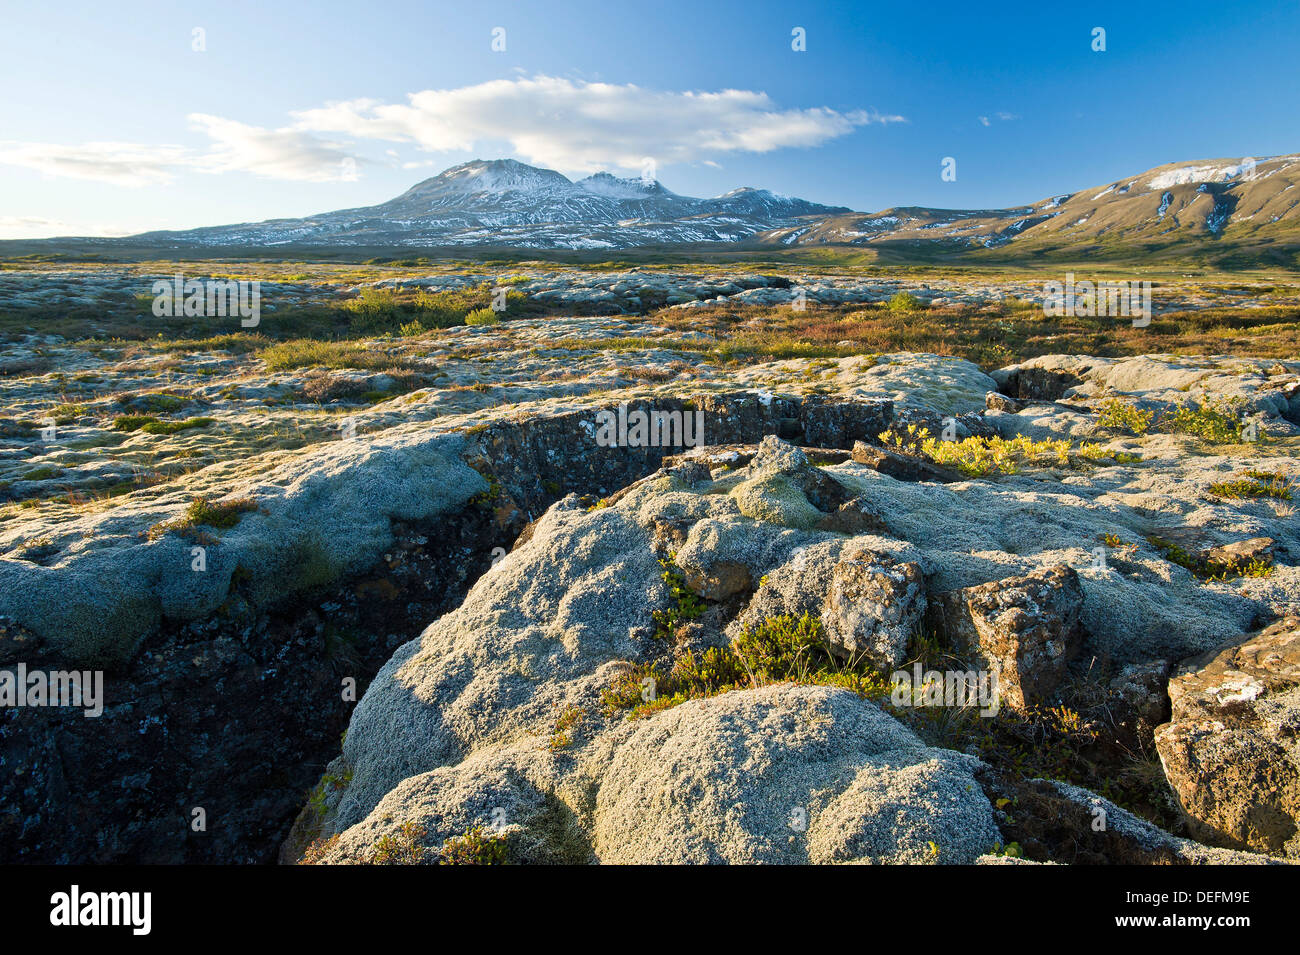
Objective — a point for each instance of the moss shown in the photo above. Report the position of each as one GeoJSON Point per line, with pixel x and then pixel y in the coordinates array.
{"type": "Point", "coordinates": [776, 500]}
{"type": "Point", "coordinates": [159, 402]}
{"type": "Point", "coordinates": [67, 413]}
{"type": "Point", "coordinates": [202, 512]}
{"type": "Point", "coordinates": [174, 427]}
{"type": "Point", "coordinates": [133, 422]}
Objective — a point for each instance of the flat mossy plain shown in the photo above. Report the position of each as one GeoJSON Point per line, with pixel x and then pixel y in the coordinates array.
{"type": "Point", "coordinates": [186, 393]}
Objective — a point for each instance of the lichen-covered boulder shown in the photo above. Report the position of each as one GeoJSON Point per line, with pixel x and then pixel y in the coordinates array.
{"type": "Point", "coordinates": [1025, 628]}
{"type": "Point", "coordinates": [1229, 750]}
{"type": "Point", "coordinates": [787, 774]}
{"type": "Point", "coordinates": [874, 605]}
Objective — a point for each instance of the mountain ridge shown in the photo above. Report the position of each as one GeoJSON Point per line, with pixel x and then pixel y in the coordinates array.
{"type": "Point", "coordinates": [506, 204]}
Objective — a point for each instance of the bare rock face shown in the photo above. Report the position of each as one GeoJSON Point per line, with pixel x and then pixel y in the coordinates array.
{"type": "Point", "coordinates": [1242, 552]}
{"type": "Point", "coordinates": [902, 467]}
{"type": "Point", "coordinates": [1230, 749]}
{"type": "Point", "coordinates": [1141, 688]}
{"type": "Point", "coordinates": [720, 580]}
{"type": "Point", "coordinates": [873, 606]}
{"type": "Point", "coordinates": [1026, 629]}
{"type": "Point", "coordinates": [995, 401]}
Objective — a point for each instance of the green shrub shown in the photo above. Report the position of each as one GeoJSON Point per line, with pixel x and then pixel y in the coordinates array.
{"type": "Point", "coordinates": [1219, 423]}
{"type": "Point", "coordinates": [482, 316]}
{"type": "Point", "coordinates": [1254, 484]}
{"type": "Point", "coordinates": [306, 353]}
{"type": "Point", "coordinates": [1208, 569]}
{"type": "Point", "coordinates": [475, 847]}
{"type": "Point", "coordinates": [221, 515]}
{"type": "Point", "coordinates": [904, 302]}
{"type": "Point", "coordinates": [778, 649]}
{"type": "Point", "coordinates": [1119, 415]}
{"type": "Point", "coordinates": [401, 849]}
{"type": "Point", "coordinates": [982, 457]}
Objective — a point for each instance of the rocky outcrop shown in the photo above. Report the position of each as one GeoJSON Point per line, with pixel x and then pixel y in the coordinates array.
{"type": "Point", "coordinates": [224, 692]}
{"type": "Point", "coordinates": [874, 606]}
{"type": "Point", "coordinates": [1026, 629]}
{"type": "Point", "coordinates": [1229, 750]}
{"type": "Point", "coordinates": [785, 774]}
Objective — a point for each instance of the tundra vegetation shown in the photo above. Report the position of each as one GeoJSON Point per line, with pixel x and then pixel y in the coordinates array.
{"type": "Point", "coordinates": [1126, 490]}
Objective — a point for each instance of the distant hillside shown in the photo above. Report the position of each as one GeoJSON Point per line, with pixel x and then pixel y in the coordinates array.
{"type": "Point", "coordinates": [1227, 213]}
{"type": "Point", "coordinates": [1178, 208]}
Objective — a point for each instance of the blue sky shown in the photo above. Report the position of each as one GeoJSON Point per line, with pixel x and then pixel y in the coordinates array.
{"type": "Point", "coordinates": [111, 121]}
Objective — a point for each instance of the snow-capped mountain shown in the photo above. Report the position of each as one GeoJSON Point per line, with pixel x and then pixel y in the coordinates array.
{"type": "Point", "coordinates": [502, 202]}
{"type": "Point", "coordinates": [1206, 206]}
{"type": "Point", "coordinates": [1198, 203]}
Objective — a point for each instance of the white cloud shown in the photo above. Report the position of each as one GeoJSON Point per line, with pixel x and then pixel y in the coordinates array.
{"type": "Point", "coordinates": [575, 126]}
{"type": "Point", "coordinates": [288, 154]}
{"type": "Point", "coordinates": [578, 126]}
{"type": "Point", "coordinates": [122, 164]}
{"type": "Point", "coordinates": [1001, 115]}
{"type": "Point", "coordinates": [40, 227]}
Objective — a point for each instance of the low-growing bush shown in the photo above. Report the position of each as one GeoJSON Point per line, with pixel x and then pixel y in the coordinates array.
{"type": "Point", "coordinates": [778, 649]}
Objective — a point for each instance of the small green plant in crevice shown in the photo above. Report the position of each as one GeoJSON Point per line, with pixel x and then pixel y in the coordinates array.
{"type": "Point", "coordinates": [778, 649]}
{"type": "Point", "coordinates": [476, 846]}
{"type": "Point", "coordinates": [329, 783]}
{"type": "Point", "coordinates": [203, 512]}
{"type": "Point", "coordinates": [1046, 742]}
{"type": "Point", "coordinates": [1207, 569]}
{"type": "Point", "coordinates": [403, 848]}
{"type": "Point", "coordinates": [487, 498]}
{"type": "Point", "coordinates": [1254, 484]}
{"type": "Point", "coordinates": [686, 605]}
{"type": "Point", "coordinates": [314, 817]}
{"type": "Point", "coordinates": [482, 316]}
{"type": "Point", "coordinates": [561, 734]}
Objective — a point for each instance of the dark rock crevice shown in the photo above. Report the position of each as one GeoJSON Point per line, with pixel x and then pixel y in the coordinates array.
{"type": "Point", "coordinates": [238, 714]}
